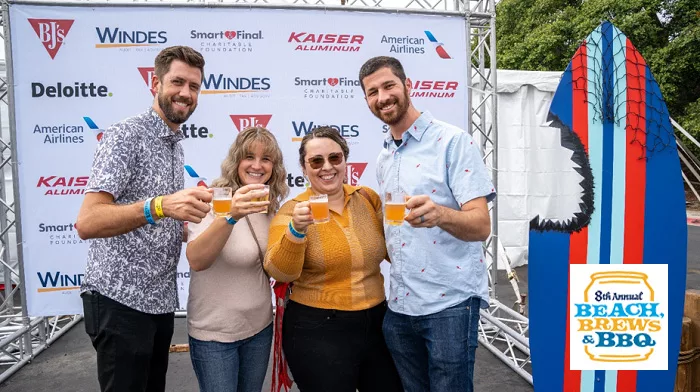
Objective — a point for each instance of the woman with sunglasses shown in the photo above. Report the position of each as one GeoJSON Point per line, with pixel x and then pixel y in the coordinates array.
{"type": "Point", "coordinates": [332, 327]}
{"type": "Point", "coordinates": [229, 308]}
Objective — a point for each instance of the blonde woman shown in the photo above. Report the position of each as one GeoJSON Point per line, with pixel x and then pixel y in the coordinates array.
{"type": "Point", "coordinates": [229, 309]}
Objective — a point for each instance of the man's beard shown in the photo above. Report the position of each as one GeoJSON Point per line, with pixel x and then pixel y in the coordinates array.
{"type": "Point", "coordinates": [400, 110]}
{"type": "Point", "coordinates": [167, 107]}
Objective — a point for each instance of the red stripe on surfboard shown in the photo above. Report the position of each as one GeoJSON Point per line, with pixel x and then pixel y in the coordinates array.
{"type": "Point", "coordinates": [578, 242]}
{"type": "Point", "coordinates": [635, 178]}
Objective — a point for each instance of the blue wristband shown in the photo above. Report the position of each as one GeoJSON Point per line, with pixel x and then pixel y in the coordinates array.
{"type": "Point", "coordinates": [294, 232]}
{"type": "Point", "coordinates": [147, 211]}
{"type": "Point", "coordinates": [230, 220]}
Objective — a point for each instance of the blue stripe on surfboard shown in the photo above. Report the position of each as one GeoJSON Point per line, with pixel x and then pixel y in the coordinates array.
{"type": "Point", "coordinates": [549, 264]}
{"type": "Point", "coordinates": [608, 144]}
{"type": "Point", "coordinates": [595, 141]}
{"type": "Point", "coordinates": [665, 230]}
{"type": "Point", "coordinates": [599, 385]}
{"type": "Point", "coordinates": [595, 153]}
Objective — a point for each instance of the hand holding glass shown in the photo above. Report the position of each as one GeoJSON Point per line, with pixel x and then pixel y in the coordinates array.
{"type": "Point", "coordinates": [395, 208]}
{"type": "Point", "coordinates": [262, 195]}
{"type": "Point", "coordinates": [221, 201]}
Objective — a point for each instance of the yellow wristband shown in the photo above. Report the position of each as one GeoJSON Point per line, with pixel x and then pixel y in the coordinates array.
{"type": "Point", "coordinates": [159, 207]}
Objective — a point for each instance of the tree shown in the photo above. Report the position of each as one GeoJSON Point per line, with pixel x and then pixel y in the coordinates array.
{"type": "Point", "coordinates": [543, 35]}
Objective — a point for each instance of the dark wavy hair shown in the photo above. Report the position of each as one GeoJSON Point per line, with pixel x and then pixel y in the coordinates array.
{"type": "Point", "coordinates": [327, 132]}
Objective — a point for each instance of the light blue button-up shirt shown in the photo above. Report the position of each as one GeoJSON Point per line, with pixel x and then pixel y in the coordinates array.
{"type": "Point", "coordinates": [431, 270]}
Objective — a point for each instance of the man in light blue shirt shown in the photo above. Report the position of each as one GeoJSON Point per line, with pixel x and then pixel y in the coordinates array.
{"type": "Point", "coordinates": [438, 275]}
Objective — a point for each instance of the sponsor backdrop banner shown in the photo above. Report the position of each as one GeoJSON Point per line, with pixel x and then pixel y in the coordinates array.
{"type": "Point", "coordinates": [79, 69]}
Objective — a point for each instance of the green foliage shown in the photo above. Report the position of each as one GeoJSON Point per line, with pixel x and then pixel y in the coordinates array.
{"type": "Point", "coordinates": [543, 35]}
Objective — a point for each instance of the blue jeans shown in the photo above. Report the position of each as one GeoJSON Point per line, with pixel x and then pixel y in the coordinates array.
{"type": "Point", "coordinates": [232, 367]}
{"type": "Point", "coordinates": [435, 352]}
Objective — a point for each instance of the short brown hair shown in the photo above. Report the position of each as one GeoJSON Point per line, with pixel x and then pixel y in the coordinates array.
{"type": "Point", "coordinates": [327, 132]}
{"type": "Point", "coordinates": [185, 54]}
{"type": "Point", "coordinates": [376, 63]}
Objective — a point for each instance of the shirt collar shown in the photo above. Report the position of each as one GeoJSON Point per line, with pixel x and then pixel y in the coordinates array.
{"type": "Point", "coordinates": [416, 130]}
{"type": "Point", "coordinates": [162, 129]}
{"type": "Point", "coordinates": [347, 189]}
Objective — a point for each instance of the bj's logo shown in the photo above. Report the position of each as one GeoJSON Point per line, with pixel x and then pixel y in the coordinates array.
{"type": "Point", "coordinates": [354, 171]}
{"type": "Point", "coordinates": [51, 33]}
{"type": "Point", "coordinates": [243, 121]}
{"type": "Point", "coordinates": [147, 75]}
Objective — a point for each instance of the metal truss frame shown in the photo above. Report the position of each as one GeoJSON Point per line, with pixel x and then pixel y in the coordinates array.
{"type": "Point", "coordinates": [503, 331]}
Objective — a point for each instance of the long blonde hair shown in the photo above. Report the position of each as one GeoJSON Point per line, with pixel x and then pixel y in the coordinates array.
{"type": "Point", "coordinates": [240, 149]}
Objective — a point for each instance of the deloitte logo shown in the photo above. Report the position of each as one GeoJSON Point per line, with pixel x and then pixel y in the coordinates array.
{"type": "Point", "coordinates": [74, 90]}
{"type": "Point", "coordinates": [192, 131]}
{"type": "Point", "coordinates": [327, 88]}
{"type": "Point", "coordinates": [226, 41]}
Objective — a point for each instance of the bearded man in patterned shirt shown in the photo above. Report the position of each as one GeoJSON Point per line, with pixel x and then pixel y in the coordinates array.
{"type": "Point", "coordinates": [134, 209]}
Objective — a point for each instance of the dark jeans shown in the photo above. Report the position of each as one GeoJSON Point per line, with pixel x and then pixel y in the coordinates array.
{"type": "Point", "coordinates": [435, 352]}
{"type": "Point", "coordinates": [233, 366]}
{"type": "Point", "coordinates": [334, 350]}
{"type": "Point", "coordinates": [132, 347]}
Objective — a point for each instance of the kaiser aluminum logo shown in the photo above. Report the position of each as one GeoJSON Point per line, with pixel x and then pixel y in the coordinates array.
{"type": "Point", "coordinates": [237, 86]}
{"type": "Point", "coordinates": [326, 42]}
{"type": "Point", "coordinates": [354, 172]}
{"type": "Point", "coordinates": [348, 131]}
{"type": "Point", "coordinates": [226, 41]}
{"type": "Point", "coordinates": [244, 121]}
{"type": "Point", "coordinates": [58, 281]}
{"type": "Point", "coordinates": [147, 75]}
{"type": "Point", "coordinates": [62, 186]}
{"type": "Point", "coordinates": [63, 234]}
{"type": "Point", "coordinates": [60, 133]}
{"type": "Point", "coordinates": [51, 33]}
{"type": "Point", "coordinates": [415, 45]}
{"type": "Point", "coordinates": [328, 87]}
{"type": "Point", "coordinates": [70, 90]}
{"type": "Point", "coordinates": [434, 88]}
{"type": "Point", "coordinates": [126, 40]}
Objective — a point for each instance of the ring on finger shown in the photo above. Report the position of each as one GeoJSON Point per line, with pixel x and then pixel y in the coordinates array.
{"type": "Point", "coordinates": [422, 219]}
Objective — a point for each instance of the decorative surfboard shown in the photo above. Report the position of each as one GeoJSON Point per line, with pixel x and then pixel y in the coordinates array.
{"type": "Point", "coordinates": [601, 331]}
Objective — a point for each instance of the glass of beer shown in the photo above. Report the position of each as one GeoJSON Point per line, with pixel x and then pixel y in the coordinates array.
{"type": "Point", "coordinates": [262, 195]}
{"type": "Point", "coordinates": [394, 208]}
{"type": "Point", "coordinates": [319, 208]}
{"type": "Point", "coordinates": [221, 201]}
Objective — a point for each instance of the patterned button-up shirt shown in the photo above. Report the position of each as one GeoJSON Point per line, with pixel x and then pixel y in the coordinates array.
{"type": "Point", "coordinates": [431, 270]}
{"type": "Point", "coordinates": [138, 158]}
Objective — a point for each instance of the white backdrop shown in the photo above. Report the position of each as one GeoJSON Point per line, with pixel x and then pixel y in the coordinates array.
{"type": "Point", "coordinates": [256, 72]}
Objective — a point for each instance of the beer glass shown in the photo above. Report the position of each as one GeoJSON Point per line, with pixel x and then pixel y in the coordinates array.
{"type": "Point", "coordinates": [263, 195]}
{"type": "Point", "coordinates": [221, 201]}
{"type": "Point", "coordinates": [394, 208]}
{"type": "Point", "coordinates": [319, 208]}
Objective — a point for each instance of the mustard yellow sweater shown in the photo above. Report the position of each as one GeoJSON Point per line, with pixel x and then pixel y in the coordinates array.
{"type": "Point", "coordinates": [337, 265]}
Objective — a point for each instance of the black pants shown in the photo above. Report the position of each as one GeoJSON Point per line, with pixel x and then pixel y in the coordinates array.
{"type": "Point", "coordinates": [132, 347]}
{"type": "Point", "coordinates": [333, 350]}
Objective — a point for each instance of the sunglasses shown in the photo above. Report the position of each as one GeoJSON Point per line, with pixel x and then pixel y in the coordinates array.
{"type": "Point", "coordinates": [317, 162]}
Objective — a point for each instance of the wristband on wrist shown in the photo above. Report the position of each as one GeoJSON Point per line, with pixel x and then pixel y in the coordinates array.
{"type": "Point", "coordinates": [147, 211]}
{"type": "Point", "coordinates": [159, 207]}
{"type": "Point", "coordinates": [230, 220]}
{"type": "Point", "coordinates": [294, 232]}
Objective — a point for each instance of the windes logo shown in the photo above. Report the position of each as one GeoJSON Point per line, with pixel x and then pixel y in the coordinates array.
{"type": "Point", "coordinates": [325, 42]}
{"type": "Point", "coordinates": [126, 40]}
{"type": "Point", "coordinates": [51, 33]}
{"type": "Point", "coordinates": [243, 121]}
{"type": "Point", "coordinates": [62, 186]}
{"type": "Point", "coordinates": [226, 41]}
{"type": "Point", "coordinates": [414, 45]}
{"type": "Point", "coordinates": [60, 234]}
{"type": "Point", "coordinates": [618, 317]}
{"type": "Point", "coordinates": [328, 88]}
{"type": "Point", "coordinates": [68, 90]}
{"type": "Point", "coordinates": [348, 131]}
{"type": "Point", "coordinates": [434, 89]}
{"type": "Point", "coordinates": [52, 281]}
{"type": "Point", "coordinates": [238, 86]}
